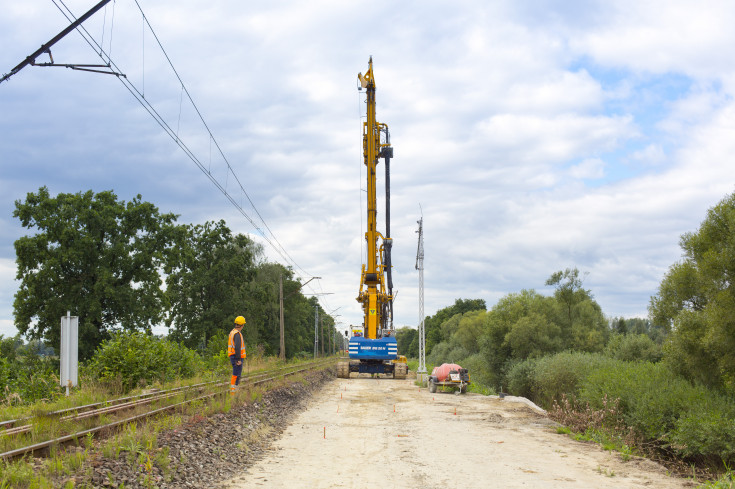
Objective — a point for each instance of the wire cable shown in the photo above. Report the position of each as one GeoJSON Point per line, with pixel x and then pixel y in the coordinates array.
{"type": "Point", "coordinates": [140, 97]}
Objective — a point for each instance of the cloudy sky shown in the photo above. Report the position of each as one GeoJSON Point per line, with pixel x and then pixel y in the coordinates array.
{"type": "Point", "coordinates": [534, 136]}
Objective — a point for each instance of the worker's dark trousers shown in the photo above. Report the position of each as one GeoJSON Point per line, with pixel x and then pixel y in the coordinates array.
{"type": "Point", "coordinates": [235, 379]}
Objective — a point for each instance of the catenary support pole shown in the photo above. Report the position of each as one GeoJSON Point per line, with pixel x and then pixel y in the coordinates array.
{"type": "Point", "coordinates": [47, 46]}
{"type": "Point", "coordinates": [282, 354]}
{"type": "Point", "coordinates": [421, 371]}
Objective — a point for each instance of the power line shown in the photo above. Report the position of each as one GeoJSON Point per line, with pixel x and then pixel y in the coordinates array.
{"type": "Point", "coordinates": [138, 95]}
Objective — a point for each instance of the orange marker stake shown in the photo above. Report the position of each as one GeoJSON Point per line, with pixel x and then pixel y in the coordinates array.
{"type": "Point", "coordinates": [394, 408]}
{"type": "Point", "coordinates": [455, 410]}
{"type": "Point", "coordinates": [340, 395]}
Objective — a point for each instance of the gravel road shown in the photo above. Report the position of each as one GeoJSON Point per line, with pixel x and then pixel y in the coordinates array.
{"type": "Point", "coordinates": [358, 433]}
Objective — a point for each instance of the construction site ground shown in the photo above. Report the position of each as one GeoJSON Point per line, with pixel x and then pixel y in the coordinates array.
{"type": "Point", "coordinates": [365, 432]}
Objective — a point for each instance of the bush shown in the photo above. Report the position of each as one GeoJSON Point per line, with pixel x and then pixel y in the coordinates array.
{"type": "Point", "coordinates": [707, 431]}
{"type": "Point", "coordinates": [480, 373]}
{"type": "Point", "coordinates": [564, 373]}
{"type": "Point", "coordinates": [439, 353]}
{"type": "Point", "coordinates": [25, 375]}
{"type": "Point", "coordinates": [519, 378]}
{"type": "Point", "coordinates": [693, 420]}
{"type": "Point", "coordinates": [134, 358]}
{"type": "Point", "coordinates": [651, 397]}
{"type": "Point", "coordinates": [634, 347]}
{"type": "Point", "coordinates": [215, 354]}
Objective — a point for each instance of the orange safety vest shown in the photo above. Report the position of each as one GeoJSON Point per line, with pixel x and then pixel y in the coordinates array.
{"type": "Point", "coordinates": [231, 344]}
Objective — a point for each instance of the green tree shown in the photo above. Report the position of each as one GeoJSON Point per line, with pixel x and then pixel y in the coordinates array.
{"type": "Point", "coordinates": [533, 336]}
{"type": "Point", "coordinates": [620, 326]}
{"type": "Point", "coordinates": [407, 337]}
{"type": "Point", "coordinates": [524, 311]}
{"type": "Point", "coordinates": [207, 278]}
{"type": "Point", "coordinates": [696, 301]}
{"type": "Point", "coordinates": [432, 324]}
{"type": "Point", "coordinates": [634, 348]}
{"type": "Point", "coordinates": [469, 330]}
{"type": "Point", "coordinates": [637, 326]}
{"type": "Point", "coordinates": [263, 312]}
{"type": "Point", "coordinates": [93, 255]}
{"type": "Point", "coordinates": [582, 323]}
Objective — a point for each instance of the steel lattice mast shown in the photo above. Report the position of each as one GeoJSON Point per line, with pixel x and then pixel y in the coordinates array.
{"type": "Point", "coordinates": [420, 268]}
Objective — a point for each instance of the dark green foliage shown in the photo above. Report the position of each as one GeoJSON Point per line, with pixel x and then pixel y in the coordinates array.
{"type": "Point", "coordinates": [524, 325]}
{"type": "Point", "coordinates": [637, 326]}
{"type": "Point", "coordinates": [519, 378]}
{"type": "Point", "coordinates": [696, 299]}
{"type": "Point", "coordinates": [479, 372]}
{"type": "Point", "coordinates": [577, 314]}
{"type": "Point", "coordinates": [9, 347]}
{"type": "Point", "coordinates": [707, 430]}
{"type": "Point", "coordinates": [533, 336]}
{"type": "Point", "coordinates": [651, 398]}
{"type": "Point", "coordinates": [408, 342]}
{"type": "Point", "coordinates": [208, 276]}
{"type": "Point", "coordinates": [93, 255]}
{"type": "Point", "coordinates": [447, 353]}
{"type": "Point", "coordinates": [432, 324]}
{"type": "Point", "coordinates": [564, 373]}
{"type": "Point", "coordinates": [694, 421]}
{"type": "Point", "coordinates": [215, 276]}
{"type": "Point", "coordinates": [26, 374]}
{"type": "Point", "coordinates": [634, 347]}
{"type": "Point", "coordinates": [134, 359]}
{"type": "Point", "coordinates": [660, 406]}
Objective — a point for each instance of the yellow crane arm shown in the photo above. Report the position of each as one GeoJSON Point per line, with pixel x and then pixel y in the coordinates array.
{"type": "Point", "coordinates": [373, 295]}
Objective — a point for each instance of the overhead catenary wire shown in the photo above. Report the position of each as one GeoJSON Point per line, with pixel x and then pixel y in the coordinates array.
{"type": "Point", "coordinates": [139, 95]}
{"type": "Point", "coordinates": [219, 149]}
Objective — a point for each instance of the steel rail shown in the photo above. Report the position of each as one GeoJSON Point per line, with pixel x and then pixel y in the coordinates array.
{"type": "Point", "coordinates": [110, 408]}
{"type": "Point", "coordinates": [112, 402]}
{"type": "Point", "coordinates": [80, 434]}
{"type": "Point", "coordinates": [109, 402]}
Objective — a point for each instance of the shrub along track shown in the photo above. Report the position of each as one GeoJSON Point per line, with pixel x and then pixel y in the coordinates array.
{"type": "Point", "coordinates": [116, 406]}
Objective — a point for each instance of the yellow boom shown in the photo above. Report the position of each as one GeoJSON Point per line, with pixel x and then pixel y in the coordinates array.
{"type": "Point", "coordinates": [375, 295]}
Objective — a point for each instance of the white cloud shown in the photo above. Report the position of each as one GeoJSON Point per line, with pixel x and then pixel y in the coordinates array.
{"type": "Point", "coordinates": [499, 114]}
{"type": "Point", "coordinates": [651, 155]}
{"type": "Point", "coordinates": [591, 168]}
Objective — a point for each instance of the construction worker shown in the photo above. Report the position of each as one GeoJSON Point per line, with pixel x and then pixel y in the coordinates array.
{"type": "Point", "coordinates": [236, 352]}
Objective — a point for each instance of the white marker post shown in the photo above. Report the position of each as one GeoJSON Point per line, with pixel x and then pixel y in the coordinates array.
{"type": "Point", "coordinates": [69, 351]}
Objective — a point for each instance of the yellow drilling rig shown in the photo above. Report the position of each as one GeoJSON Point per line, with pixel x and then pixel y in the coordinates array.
{"type": "Point", "coordinates": [376, 350]}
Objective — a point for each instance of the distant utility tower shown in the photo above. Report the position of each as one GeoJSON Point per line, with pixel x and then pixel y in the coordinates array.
{"type": "Point", "coordinates": [420, 268]}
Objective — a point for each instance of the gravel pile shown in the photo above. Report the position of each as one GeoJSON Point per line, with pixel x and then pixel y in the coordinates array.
{"type": "Point", "coordinates": [206, 451]}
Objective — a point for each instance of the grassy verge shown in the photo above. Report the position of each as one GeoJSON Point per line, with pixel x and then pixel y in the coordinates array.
{"type": "Point", "coordinates": [135, 442]}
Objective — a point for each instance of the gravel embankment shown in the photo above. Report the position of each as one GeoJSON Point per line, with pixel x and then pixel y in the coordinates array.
{"type": "Point", "coordinates": [205, 451]}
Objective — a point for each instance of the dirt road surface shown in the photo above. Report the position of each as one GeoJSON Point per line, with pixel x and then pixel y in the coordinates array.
{"type": "Point", "coordinates": [361, 433]}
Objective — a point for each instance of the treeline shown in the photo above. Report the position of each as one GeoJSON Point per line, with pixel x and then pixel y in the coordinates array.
{"type": "Point", "coordinates": [672, 375]}
{"type": "Point", "coordinates": [529, 325]}
{"type": "Point", "coordinates": [125, 266]}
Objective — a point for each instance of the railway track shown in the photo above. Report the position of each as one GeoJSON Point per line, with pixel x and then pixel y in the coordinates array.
{"type": "Point", "coordinates": [115, 406]}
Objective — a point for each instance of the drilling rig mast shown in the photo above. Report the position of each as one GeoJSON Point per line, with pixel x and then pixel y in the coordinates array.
{"type": "Point", "coordinates": [376, 351]}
